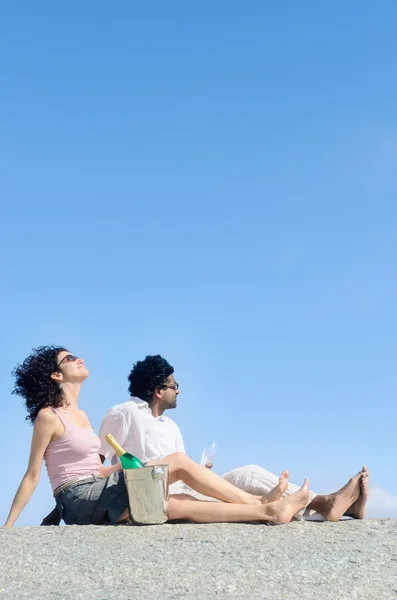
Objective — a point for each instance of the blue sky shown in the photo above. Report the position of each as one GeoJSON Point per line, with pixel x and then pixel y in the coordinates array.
{"type": "Point", "coordinates": [215, 183]}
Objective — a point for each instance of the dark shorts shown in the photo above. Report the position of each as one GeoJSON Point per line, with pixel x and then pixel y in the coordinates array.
{"type": "Point", "coordinates": [101, 501]}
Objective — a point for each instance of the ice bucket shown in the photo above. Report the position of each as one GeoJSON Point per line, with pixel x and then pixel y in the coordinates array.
{"type": "Point", "coordinates": [147, 491]}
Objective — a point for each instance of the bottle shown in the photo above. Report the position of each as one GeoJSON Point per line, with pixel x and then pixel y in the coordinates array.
{"type": "Point", "coordinates": [128, 461]}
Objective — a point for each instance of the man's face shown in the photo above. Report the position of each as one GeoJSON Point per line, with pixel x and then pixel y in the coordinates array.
{"type": "Point", "coordinates": [169, 392]}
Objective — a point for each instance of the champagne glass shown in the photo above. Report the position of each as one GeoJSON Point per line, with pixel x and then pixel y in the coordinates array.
{"type": "Point", "coordinates": [207, 458]}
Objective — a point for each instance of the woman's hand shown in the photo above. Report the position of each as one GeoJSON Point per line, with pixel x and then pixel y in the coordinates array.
{"type": "Point", "coordinates": [106, 471]}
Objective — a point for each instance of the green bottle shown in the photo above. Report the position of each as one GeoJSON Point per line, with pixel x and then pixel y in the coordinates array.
{"type": "Point", "coordinates": [128, 461]}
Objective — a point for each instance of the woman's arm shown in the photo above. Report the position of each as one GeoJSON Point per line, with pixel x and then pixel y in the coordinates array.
{"type": "Point", "coordinates": [106, 471]}
{"type": "Point", "coordinates": [44, 428]}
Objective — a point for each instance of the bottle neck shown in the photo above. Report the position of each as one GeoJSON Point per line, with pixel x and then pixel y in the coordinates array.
{"type": "Point", "coordinates": [115, 445]}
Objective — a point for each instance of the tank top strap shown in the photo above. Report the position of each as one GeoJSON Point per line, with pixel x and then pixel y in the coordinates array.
{"type": "Point", "coordinates": [64, 420]}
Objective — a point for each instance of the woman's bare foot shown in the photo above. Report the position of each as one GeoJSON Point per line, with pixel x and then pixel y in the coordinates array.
{"type": "Point", "coordinates": [276, 493]}
{"type": "Point", "coordinates": [287, 507]}
{"type": "Point", "coordinates": [334, 506]}
{"type": "Point", "coordinates": [357, 509]}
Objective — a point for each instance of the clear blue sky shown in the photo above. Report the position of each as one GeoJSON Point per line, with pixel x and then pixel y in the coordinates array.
{"type": "Point", "coordinates": [216, 183]}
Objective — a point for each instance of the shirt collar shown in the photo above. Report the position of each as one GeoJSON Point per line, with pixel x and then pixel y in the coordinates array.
{"type": "Point", "coordinates": [141, 403]}
{"type": "Point", "coordinates": [144, 405]}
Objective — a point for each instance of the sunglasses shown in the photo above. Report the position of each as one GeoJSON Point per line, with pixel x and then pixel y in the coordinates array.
{"type": "Point", "coordinates": [69, 358]}
{"type": "Point", "coordinates": [172, 387]}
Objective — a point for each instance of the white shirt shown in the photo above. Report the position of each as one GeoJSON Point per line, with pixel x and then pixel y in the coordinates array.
{"type": "Point", "coordinates": [134, 427]}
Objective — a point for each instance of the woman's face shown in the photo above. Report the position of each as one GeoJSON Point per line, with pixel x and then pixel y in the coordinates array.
{"type": "Point", "coordinates": [71, 368]}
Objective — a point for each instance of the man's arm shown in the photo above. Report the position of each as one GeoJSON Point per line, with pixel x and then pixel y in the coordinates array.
{"type": "Point", "coordinates": [113, 422]}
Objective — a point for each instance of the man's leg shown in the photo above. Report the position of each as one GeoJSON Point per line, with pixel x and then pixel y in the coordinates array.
{"type": "Point", "coordinates": [275, 493]}
{"type": "Point", "coordinates": [260, 482]}
{"type": "Point", "coordinates": [349, 501]}
{"type": "Point", "coordinates": [358, 509]}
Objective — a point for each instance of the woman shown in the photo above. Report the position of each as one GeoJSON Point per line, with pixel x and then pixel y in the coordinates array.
{"type": "Point", "coordinates": [86, 492]}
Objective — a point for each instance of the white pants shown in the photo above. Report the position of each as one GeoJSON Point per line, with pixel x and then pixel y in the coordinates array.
{"type": "Point", "coordinates": [259, 481]}
{"type": "Point", "coordinates": [254, 480]}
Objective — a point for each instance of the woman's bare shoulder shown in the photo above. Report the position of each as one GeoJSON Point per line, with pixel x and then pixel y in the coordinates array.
{"type": "Point", "coordinates": [46, 416]}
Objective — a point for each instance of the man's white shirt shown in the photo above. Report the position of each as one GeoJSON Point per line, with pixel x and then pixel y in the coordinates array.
{"type": "Point", "coordinates": [134, 427]}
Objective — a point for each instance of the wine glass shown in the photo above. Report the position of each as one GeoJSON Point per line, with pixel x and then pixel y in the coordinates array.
{"type": "Point", "coordinates": [207, 458]}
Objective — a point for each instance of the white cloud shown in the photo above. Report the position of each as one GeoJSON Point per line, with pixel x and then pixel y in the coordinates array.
{"type": "Point", "coordinates": [381, 503]}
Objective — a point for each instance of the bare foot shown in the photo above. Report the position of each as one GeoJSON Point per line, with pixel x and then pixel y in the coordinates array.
{"type": "Point", "coordinates": [278, 490]}
{"type": "Point", "coordinates": [336, 505]}
{"type": "Point", "coordinates": [286, 508]}
{"type": "Point", "coordinates": [357, 509]}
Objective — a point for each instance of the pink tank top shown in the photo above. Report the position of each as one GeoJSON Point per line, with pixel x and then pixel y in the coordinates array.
{"type": "Point", "coordinates": [72, 455]}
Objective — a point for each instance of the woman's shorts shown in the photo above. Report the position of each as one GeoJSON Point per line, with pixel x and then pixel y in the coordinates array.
{"type": "Point", "coordinates": [101, 501]}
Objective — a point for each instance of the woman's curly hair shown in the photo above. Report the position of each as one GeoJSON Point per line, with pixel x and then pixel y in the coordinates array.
{"type": "Point", "coordinates": [148, 374]}
{"type": "Point", "coordinates": [34, 383]}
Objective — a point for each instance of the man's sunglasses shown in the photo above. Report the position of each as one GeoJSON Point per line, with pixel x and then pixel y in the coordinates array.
{"type": "Point", "coordinates": [172, 387]}
{"type": "Point", "coordinates": [69, 358]}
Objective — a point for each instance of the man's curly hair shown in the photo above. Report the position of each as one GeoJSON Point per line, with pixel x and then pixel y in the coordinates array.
{"type": "Point", "coordinates": [33, 380]}
{"type": "Point", "coordinates": [148, 374]}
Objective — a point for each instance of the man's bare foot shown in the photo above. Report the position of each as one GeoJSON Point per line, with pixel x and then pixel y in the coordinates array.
{"type": "Point", "coordinates": [334, 506]}
{"type": "Point", "coordinates": [357, 509]}
{"type": "Point", "coordinates": [278, 490]}
{"type": "Point", "coordinates": [288, 507]}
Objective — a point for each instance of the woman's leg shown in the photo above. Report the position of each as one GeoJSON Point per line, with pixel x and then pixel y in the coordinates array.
{"type": "Point", "coordinates": [279, 512]}
{"type": "Point", "coordinates": [203, 480]}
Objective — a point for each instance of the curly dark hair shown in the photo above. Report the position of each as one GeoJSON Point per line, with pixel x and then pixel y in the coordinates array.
{"type": "Point", "coordinates": [148, 374]}
{"type": "Point", "coordinates": [34, 383]}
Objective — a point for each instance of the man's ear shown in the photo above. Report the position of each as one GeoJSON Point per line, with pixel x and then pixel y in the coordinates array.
{"type": "Point", "coordinates": [57, 376]}
{"type": "Point", "coordinates": [157, 392]}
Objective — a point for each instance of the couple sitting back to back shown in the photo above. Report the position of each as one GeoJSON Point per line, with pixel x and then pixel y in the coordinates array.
{"type": "Point", "coordinates": [87, 492]}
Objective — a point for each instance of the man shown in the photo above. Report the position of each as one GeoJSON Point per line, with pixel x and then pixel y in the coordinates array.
{"type": "Point", "coordinates": [139, 424]}
{"type": "Point", "coordinates": [141, 427]}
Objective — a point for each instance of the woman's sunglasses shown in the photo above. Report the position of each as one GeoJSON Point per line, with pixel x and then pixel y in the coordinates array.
{"type": "Point", "coordinates": [69, 358]}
